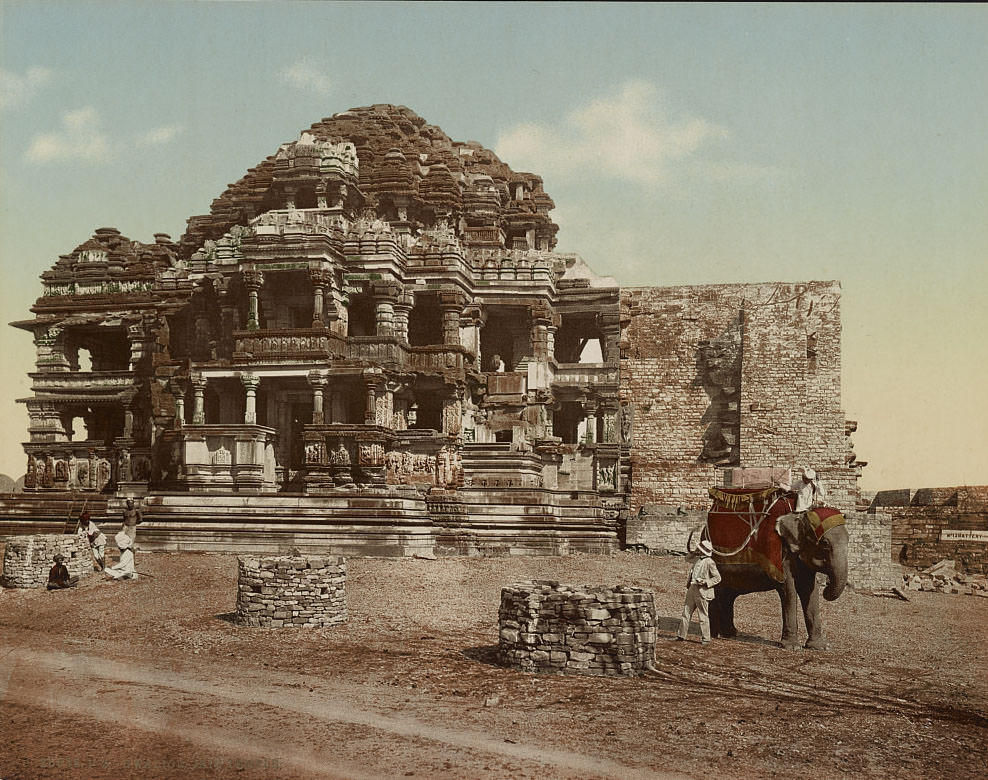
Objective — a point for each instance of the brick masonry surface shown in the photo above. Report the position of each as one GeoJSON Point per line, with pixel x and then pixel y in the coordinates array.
{"type": "Point", "coordinates": [920, 518]}
{"type": "Point", "coordinates": [28, 559]}
{"type": "Point", "coordinates": [733, 375]}
{"type": "Point", "coordinates": [283, 591]}
{"type": "Point", "coordinates": [576, 629]}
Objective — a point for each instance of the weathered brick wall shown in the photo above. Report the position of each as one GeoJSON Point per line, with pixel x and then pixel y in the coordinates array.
{"type": "Point", "coordinates": [575, 629]}
{"type": "Point", "coordinates": [282, 591]}
{"type": "Point", "coordinates": [28, 559]}
{"type": "Point", "coordinates": [919, 518]}
{"type": "Point", "coordinates": [776, 402]}
{"type": "Point", "coordinates": [657, 528]}
{"type": "Point", "coordinates": [869, 551]}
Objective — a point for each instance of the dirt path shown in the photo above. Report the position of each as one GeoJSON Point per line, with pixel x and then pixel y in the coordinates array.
{"type": "Point", "coordinates": [57, 682]}
{"type": "Point", "coordinates": [151, 679]}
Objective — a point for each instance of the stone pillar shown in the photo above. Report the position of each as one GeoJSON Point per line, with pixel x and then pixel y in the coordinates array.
{"type": "Point", "coordinates": [179, 409]}
{"type": "Point", "coordinates": [320, 281]}
{"type": "Point", "coordinates": [250, 381]}
{"type": "Point", "coordinates": [591, 417]}
{"type": "Point", "coordinates": [318, 382]}
{"type": "Point", "coordinates": [385, 294]}
{"type": "Point", "coordinates": [402, 308]}
{"type": "Point", "coordinates": [541, 318]}
{"type": "Point", "coordinates": [384, 317]}
{"type": "Point", "coordinates": [370, 406]}
{"type": "Point", "coordinates": [550, 336]}
{"type": "Point", "coordinates": [252, 281]}
{"type": "Point", "coordinates": [199, 400]}
{"type": "Point", "coordinates": [452, 307]}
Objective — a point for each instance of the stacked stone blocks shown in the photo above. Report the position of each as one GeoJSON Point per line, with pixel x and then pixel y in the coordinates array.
{"type": "Point", "coordinates": [28, 559]}
{"type": "Point", "coordinates": [575, 629]}
{"type": "Point", "coordinates": [285, 591]}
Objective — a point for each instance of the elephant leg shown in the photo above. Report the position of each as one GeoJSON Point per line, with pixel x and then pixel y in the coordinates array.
{"type": "Point", "coordinates": [809, 597]}
{"type": "Point", "coordinates": [722, 613]}
{"type": "Point", "coordinates": [790, 608]}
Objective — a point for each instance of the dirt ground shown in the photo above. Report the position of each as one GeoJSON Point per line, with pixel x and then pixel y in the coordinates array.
{"type": "Point", "coordinates": [151, 678]}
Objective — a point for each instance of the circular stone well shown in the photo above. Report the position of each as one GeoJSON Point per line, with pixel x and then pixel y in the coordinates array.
{"type": "Point", "coordinates": [577, 629]}
{"type": "Point", "coordinates": [28, 559]}
{"type": "Point", "coordinates": [309, 592]}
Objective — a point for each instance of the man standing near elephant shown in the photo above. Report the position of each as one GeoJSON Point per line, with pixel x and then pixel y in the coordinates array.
{"type": "Point", "coordinates": [700, 584]}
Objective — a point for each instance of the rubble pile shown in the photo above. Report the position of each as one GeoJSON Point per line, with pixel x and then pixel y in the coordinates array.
{"type": "Point", "coordinates": [291, 591]}
{"type": "Point", "coordinates": [943, 577]}
{"type": "Point", "coordinates": [575, 629]}
{"type": "Point", "coordinates": [28, 559]}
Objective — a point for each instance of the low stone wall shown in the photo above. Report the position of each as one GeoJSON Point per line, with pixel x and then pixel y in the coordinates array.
{"type": "Point", "coordinates": [576, 629]}
{"type": "Point", "coordinates": [660, 529]}
{"type": "Point", "coordinates": [869, 552]}
{"type": "Point", "coordinates": [28, 559]}
{"type": "Point", "coordinates": [275, 592]}
{"type": "Point", "coordinates": [933, 524]}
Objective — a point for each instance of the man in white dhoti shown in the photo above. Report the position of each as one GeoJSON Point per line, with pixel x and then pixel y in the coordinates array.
{"type": "Point", "coordinates": [96, 538]}
{"type": "Point", "coordinates": [124, 569]}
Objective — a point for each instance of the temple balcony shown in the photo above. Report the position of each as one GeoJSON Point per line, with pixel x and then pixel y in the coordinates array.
{"type": "Point", "coordinates": [441, 358]}
{"type": "Point", "coordinates": [287, 345]}
{"type": "Point", "coordinates": [377, 349]}
{"type": "Point", "coordinates": [224, 457]}
{"type": "Point", "coordinates": [86, 465]}
{"type": "Point", "coordinates": [84, 382]}
{"type": "Point", "coordinates": [585, 374]}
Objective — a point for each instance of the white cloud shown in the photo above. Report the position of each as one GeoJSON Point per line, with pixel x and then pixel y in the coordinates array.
{"type": "Point", "coordinates": [631, 135]}
{"type": "Point", "coordinates": [160, 135]}
{"type": "Point", "coordinates": [305, 75]}
{"type": "Point", "coordinates": [16, 88]}
{"type": "Point", "coordinates": [81, 137]}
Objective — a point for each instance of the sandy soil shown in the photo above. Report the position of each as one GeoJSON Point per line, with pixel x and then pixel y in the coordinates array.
{"type": "Point", "coordinates": [152, 679]}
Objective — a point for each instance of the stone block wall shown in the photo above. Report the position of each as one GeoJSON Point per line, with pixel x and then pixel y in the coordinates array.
{"type": "Point", "coordinates": [733, 375]}
{"type": "Point", "coordinates": [870, 565]}
{"type": "Point", "coordinates": [576, 629]}
{"type": "Point", "coordinates": [656, 528]}
{"type": "Point", "coordinates": [28, 559]}
{"type": "Point", "coordinates": [920, 519]}
{"type": "Point", "coordinates": [282, 591]}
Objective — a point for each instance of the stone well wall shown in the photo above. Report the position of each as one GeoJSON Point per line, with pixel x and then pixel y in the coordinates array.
{"type": "Point", "coordinates": [283, 591]}
{"type": "Point", "coordinates": [576, 629]}
{"type": "Point", "coordinates": [28, 559]}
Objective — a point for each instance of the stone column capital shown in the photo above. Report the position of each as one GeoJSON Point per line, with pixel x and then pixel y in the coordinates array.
{"type": "Point", "coordinates": [253, 280]}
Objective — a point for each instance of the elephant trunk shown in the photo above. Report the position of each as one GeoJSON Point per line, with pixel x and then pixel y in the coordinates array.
{"type": "Point", "coordinates": [836, 579]}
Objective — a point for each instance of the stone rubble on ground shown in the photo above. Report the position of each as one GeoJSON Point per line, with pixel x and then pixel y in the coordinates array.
{"type": "Point", "coordinates": [943, 577]}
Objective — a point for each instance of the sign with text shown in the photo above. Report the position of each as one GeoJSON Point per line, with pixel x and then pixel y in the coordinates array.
{"type": "Point", "coordinates": [963, 536]}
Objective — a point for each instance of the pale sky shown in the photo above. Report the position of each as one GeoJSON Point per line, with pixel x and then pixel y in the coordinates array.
{"type": "Point", "coordinates": [682, 144]}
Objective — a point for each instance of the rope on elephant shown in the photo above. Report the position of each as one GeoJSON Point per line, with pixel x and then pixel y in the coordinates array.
{"type": "Point", "coordinates": [752, 518]}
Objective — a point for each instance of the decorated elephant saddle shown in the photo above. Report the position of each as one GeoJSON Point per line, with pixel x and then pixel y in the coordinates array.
{"type": "Point", "coordinates": [741, 526]}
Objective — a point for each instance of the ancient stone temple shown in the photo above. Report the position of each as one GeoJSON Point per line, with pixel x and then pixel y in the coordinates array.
{"type": "Point", "coordinates": [369, 345]}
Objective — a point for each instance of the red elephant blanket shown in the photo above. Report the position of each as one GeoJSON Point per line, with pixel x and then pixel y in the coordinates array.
{"type": "Point", "coordinates": [741, 525]}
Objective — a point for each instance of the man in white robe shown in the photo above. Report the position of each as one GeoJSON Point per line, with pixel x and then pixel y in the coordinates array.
{"type": "Point", "coordinates": [810, 492]}
{"type": "Point", "coordinates": [124, 569]}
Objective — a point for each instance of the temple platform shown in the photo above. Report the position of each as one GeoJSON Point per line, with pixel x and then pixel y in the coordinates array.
{"type": "Point", "coordinates": [356, 521]}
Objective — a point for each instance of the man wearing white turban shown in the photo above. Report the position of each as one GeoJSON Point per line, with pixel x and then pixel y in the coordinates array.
{"type": "Point", "coordinates": [810, 492]}
{"type": "Point", "coordinates": [124, 569]}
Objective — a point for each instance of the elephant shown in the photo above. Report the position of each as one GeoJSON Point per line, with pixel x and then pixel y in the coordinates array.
{"type": "Point", "coordinates": [808, 547]}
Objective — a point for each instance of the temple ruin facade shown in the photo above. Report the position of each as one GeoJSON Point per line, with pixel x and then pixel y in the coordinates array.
{"type": "Point", "coordinates": [370, 345]}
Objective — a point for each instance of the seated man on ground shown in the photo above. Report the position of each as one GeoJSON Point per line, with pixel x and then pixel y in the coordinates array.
{"type": "Point", "coordinates": [124, 569]}
{"type": "Point", "coordinates": [58, 576]}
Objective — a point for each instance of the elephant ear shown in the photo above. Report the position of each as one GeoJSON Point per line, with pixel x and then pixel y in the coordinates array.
{"type": "Point", "coordinates": [788, 528]}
